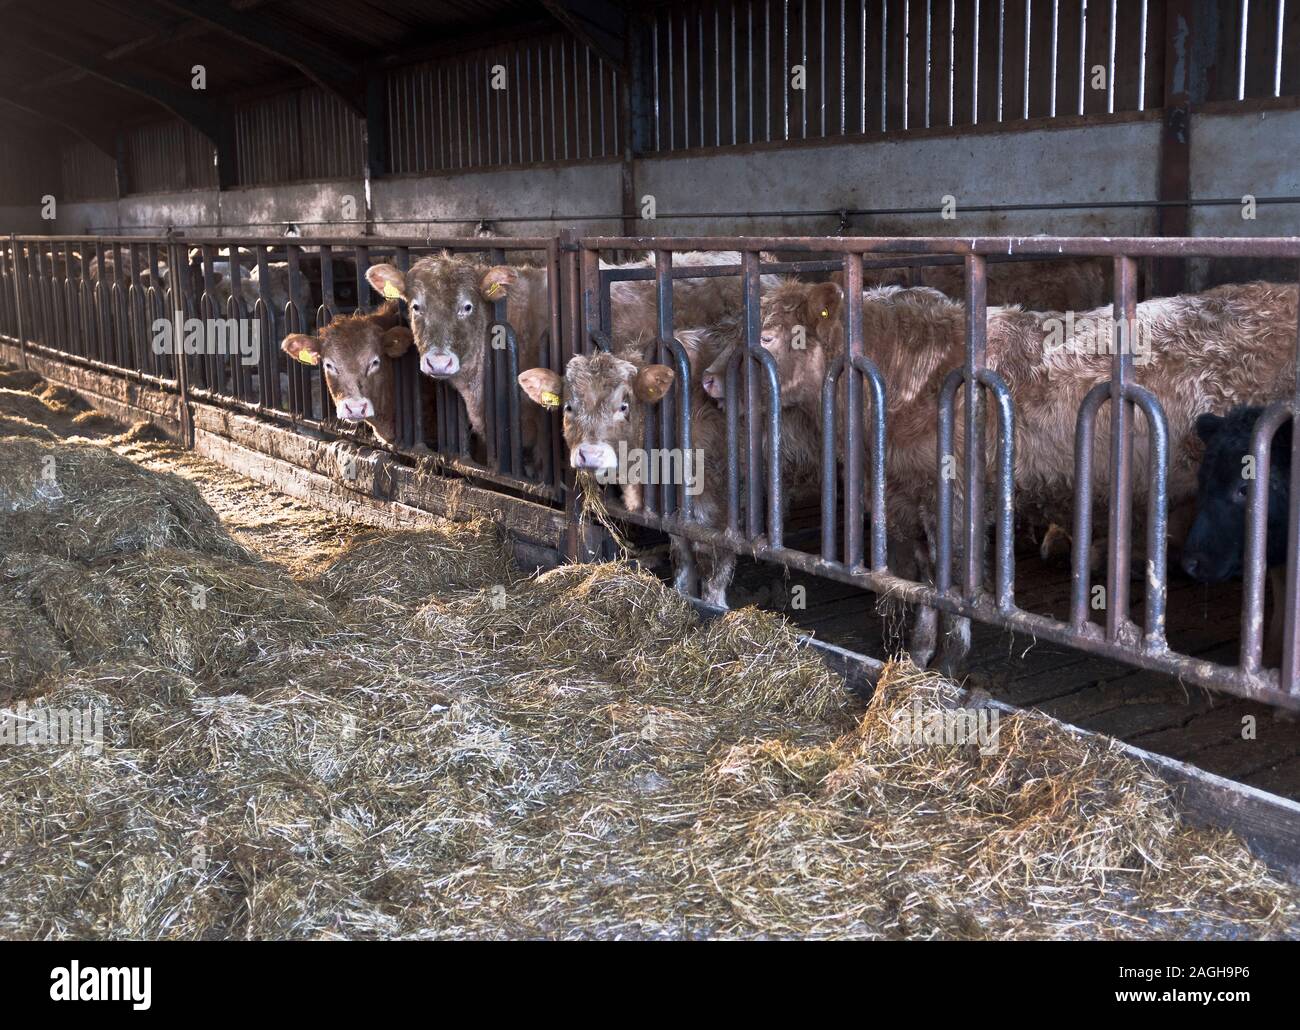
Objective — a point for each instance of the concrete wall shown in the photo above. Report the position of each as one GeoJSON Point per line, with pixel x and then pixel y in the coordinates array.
{"type": "Point", "coordinates": [1069, 165]}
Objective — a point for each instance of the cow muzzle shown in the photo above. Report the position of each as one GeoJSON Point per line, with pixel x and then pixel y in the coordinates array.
{"type": "Point", "coordinates": [592, 457]}
{"type": "Point", "coordinates": [439, 364]}
{"type": "Point", "coordinates": [354, 409]}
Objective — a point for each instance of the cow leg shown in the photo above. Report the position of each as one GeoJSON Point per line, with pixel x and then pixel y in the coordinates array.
{"type": "Point", "coordinates": [1277, 621]}
{"type": "Point", "coordinates": [719, 567]}
{"type": "Point", "coordinates": [923, 641]}
{"type": "Point", "coordinates": [956, 648]}
{"type": "Point", "coordinates": [682, 553]}
{"type": "Point", "coordinates": [893, 612]}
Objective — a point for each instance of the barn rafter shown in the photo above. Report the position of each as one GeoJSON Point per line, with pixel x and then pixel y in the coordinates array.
{"type": "Point", "coordinates": [322, 65]}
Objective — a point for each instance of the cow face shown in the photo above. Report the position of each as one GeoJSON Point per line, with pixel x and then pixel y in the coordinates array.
{"type": "Point", "coordinates": [800, 321]}
{"type": "Point", "coordinates": [450, 304]}
{"type": "Point", "coordinates": [355, 352]}
{"type": "Point", "coordinates": [605, 398]}
{"type": "Point", "coordinates": [1215, 546]}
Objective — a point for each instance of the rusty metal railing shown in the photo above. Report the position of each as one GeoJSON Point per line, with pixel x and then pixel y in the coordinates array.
{"type": "Point", "coordinates": [64, 298]}
{"type": "Point", "coordinates": [1119, 638]}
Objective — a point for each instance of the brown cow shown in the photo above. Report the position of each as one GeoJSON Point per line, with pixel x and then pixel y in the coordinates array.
{"type": "Point", "coordinates": [1197, 353]}
{"type": "Point", "coordinates": [356, 352]}
{"type": "Point", "coordinates": [606, 399]}
{"type": "Point", "coordinates": [450, 300]}
{"type": "Point", "coordinates": [1075, 284]}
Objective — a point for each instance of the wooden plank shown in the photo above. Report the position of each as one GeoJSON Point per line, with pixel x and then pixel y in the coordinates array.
{"type": "Point", "coordinates": [1268, 823]}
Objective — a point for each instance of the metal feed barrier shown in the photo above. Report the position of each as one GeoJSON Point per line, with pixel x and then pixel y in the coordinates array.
{"type": "Point", "coordinates": [62, 299]}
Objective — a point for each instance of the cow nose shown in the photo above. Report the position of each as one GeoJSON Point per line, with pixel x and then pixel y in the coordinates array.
{"type": "Point", "coordinates": [589, 455]}
{"type": "Point", "coordinates": [712, 386]}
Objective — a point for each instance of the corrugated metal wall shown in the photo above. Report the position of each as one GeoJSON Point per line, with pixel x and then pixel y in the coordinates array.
{"type": "Point", "coordinates": [547, 99]}
{"type": "Point", "coordinates": [305, 134]}
{"type": "Point", "coordinates": [168, 156]}
{"type": "Point", "coordinates": [27, 173]}
{"type": "Point", "coordinates": [88, 173]}
{"type": "Point", "coordinates": [731, 72]}
{"type": "Point", "coordinates": [738, 72]}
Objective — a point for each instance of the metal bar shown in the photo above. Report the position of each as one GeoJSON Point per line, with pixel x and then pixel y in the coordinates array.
{"type": "Point", "coordinates": [1291, 622]}
{"type": "Point", "coordinates": [1121, 454]}
{"type": "Point", "coordinates": [753, 344]}
{"type": "Point", "coordinates": [853, 445]}
{"type": "Point", "coordinates": [1255, 559]}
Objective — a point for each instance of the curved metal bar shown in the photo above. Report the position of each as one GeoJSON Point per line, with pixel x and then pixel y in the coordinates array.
{"type": "Point", "coordinates": [830, 463]}
{"type": "Point", "coordinates": [685, 420]}
{"type": "Point", "coordinates": [879, 454]}
{"type": "Point", "coordinates": [946, 463]}
{"type": "Point", "coordinates": [775, 485]}
{"type": "Point", "coordinates": [775, 488]}
{"type": "Point", "coordinates": [1085, 430]}
{"type": "Point", "coordinates": [1005, 559]}
{"type": "Point", "coordinates": [1256, 555]}
{"type": "Point", "coordinates": [733, 441]}
{"type": "Point", "coordinates": [1157, 511]}
{"type": "Point", "coordinates": [511, 400]}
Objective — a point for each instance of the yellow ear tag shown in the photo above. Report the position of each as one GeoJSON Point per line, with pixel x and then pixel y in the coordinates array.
{"type": "Point", "coordinates": [550, 400]}
{"type": "Point", "coordinates": [825, 313]}
{"type": "Point", "coordinates": [495, 290]}
{"type": "Point", "coordinates": [392, 292]}
{"type": "Point", "coordinates": [308, 357]}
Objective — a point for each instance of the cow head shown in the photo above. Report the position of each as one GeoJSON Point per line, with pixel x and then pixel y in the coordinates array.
{"type": "Point", "coordinates": [450, 304]}
{"type": "Point", "coordinates": [355, 352]}
{"type": "Point", "coordinates": [605, 398]}
{"type": "Point", "coordinates": [1215, 546]}
{"type": "Point", "coordinates": [800, 321]}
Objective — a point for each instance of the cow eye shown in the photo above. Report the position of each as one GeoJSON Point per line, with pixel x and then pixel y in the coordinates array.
{"type": "Point", "coordinates": [415, 306]}
{"type": "Point", "coordinates": [374, 365]}
{"type": "Point", "coordinates": [329, 366]}
{"type": "Point", "coordinates": [467, 307]}
{"type": "Point", "coordinates": [623, 408]}
{"type": "Point", "coordinates": [1243, 491]}
{"type": "Point", "coordinates": [568, 409]}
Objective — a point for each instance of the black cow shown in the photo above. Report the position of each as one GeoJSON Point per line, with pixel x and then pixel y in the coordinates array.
{"type": "Point", "coordinates": [1216, 545]}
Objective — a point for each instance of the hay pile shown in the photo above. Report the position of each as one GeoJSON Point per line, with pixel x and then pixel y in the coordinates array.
{"type": "Point", "coordinates": [421, 743]}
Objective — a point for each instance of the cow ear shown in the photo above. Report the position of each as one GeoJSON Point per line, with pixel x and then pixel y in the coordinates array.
{"type": "Point", "coordinates": [397, 341]}
{"type": "Point", "coordinates": [543, 386]}
{"type": "Point", "coordinates": [1207, 425]}
{"type": "Point", "coordinates": [496, 281]}
{"type": "Point", "coordinates": [388, 281]}
{"type": "Point", "coordinates": [823, 303]}
{"type": "Point", "coordinates": [652, 382]}
{"type": "Point", "coordinates": [302, 348]}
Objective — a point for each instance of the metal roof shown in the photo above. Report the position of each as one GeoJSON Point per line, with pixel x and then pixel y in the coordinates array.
{"type": "Point", "coordinates": [92, 66]}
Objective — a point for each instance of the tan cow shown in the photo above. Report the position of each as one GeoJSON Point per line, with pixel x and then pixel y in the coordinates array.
{"type": "Point", "coordinates": [606, 398]}
{"type": "Point", "coordinates": [1069, 284]}
{"type": "Point", "coordinates": [450, 301]}
{"type": "Point", "coordinates": [357, 351]}
{"type": "Point", "coordinates": [1196, 353]}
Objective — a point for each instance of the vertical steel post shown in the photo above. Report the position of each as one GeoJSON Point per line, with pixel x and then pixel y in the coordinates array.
{"type": "Point", "coordinates": [1291, 622]}
{"type": "Point", "coordinates": [18, 272]}
{"type": "Point", "coordinates": [853, 445]}
{"type": "Point", "coordinates": [1121, 452]}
